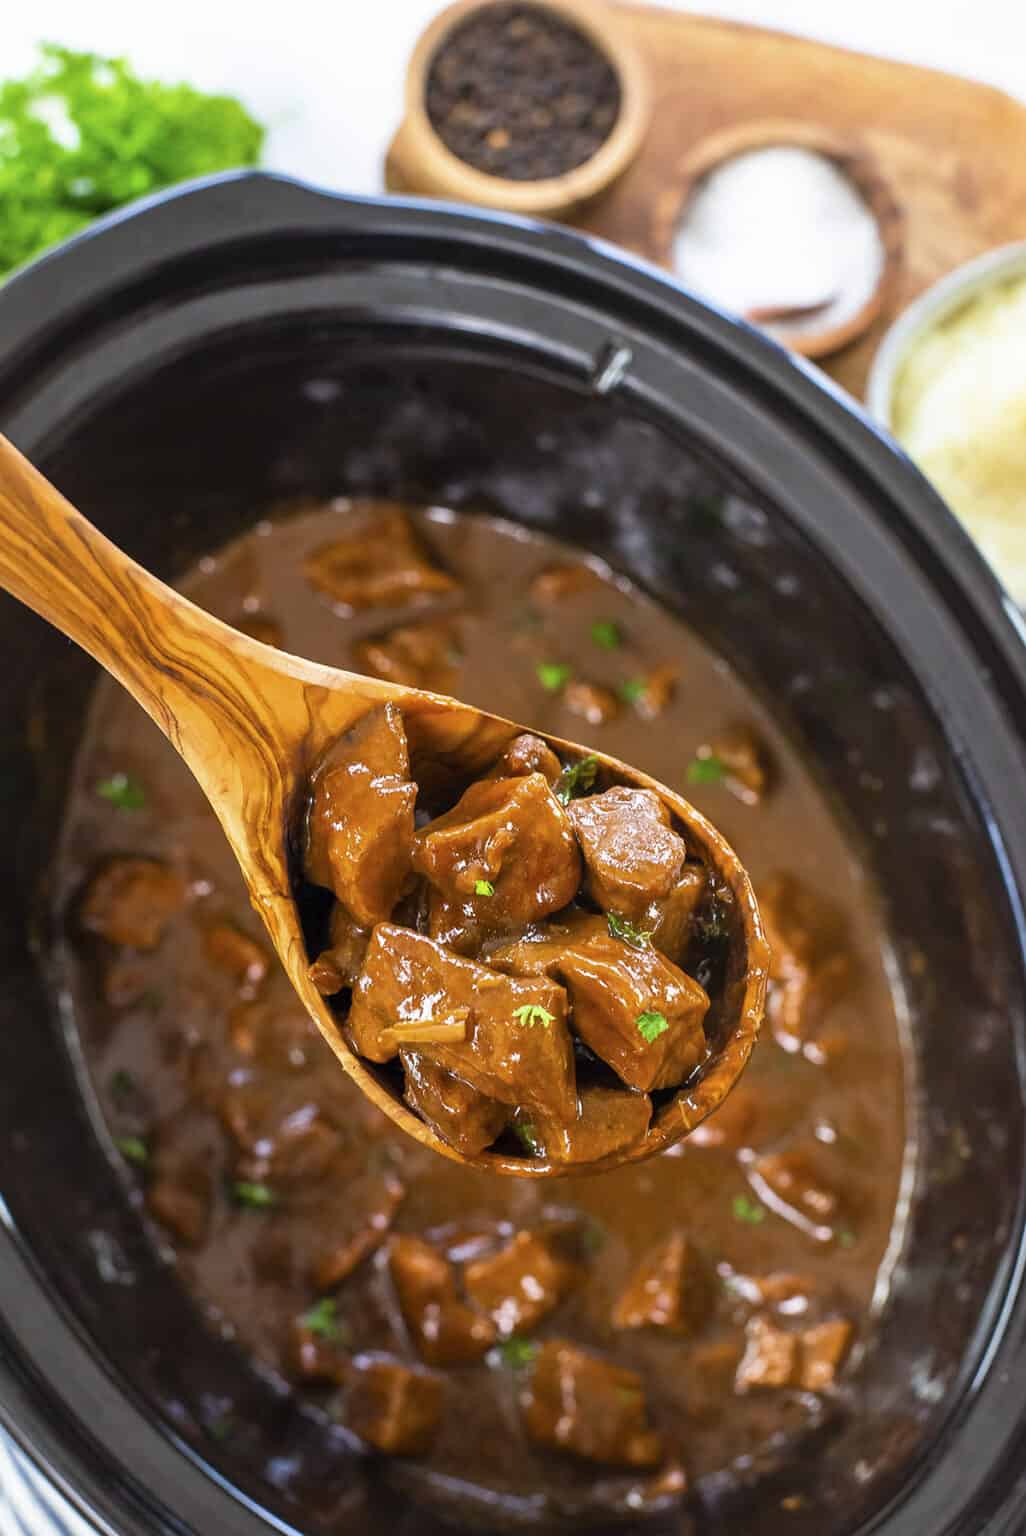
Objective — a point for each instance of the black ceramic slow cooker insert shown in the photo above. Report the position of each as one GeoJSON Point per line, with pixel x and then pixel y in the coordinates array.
{"type": "Point", "coordinates": [176, 369]}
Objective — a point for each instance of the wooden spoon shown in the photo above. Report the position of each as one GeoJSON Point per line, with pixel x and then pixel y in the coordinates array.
{"type": "Point", "coordinates": [251, 722]}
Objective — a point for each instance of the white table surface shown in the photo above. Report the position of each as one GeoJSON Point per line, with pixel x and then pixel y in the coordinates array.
{"type": "Point", "coordinates": [326, 75]}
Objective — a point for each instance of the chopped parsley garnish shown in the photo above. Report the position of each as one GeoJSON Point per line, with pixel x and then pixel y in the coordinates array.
{"type": "Point", "coordinates": [321, 1320]}
{"type": "Point", "coordinates": [632, 689]}
{"type": "Point", "coordinates": [651, 1025]}
{"type": "Point", "coordinates": [133, 1149]}
{"type": "Point", "coordinates": [121, 790]}
{"type": "Point", "coordinates": [749, 1211]}
{"type": "Point", "coordinates": [554, 675]}
{"type": "Point", "coordinates": [707, 769]}
{"type": "Point", "coordinates": [846, 1238]}
{"type": "Point", "coordinates": [576, 779]}
{"type": "Point", "coordinates": [606, 635]}
{"type": "Point", "coordinates": [122, 1087]}
{"type": "Point", "coordinates": [527, 1136]}
{"type": "Point", "coordinates": [483, 888]}
{"type": "Point", "coordinates": [533, 1013]}
{"type": "Point", "coordinates": [622, 928]}
{"type": "Point", "coordinates": [517, 1353]}
{"type": "Point", "coordinates": [258, 1196]}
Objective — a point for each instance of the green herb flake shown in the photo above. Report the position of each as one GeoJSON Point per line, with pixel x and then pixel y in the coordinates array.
{"type": "Point", "coordinates": [576, 779]}
{"type": "Point", "coordinates": [133, 1149]}
{"type": "Point", "coordinates": [527, 1136]}
{"type": "Point", "coordinates": [707, 769]}
{"type": "Point", "coordinates": [483, 888]}
{"type": "Point", "coordinates": [651, 1025]}
{"type": "Point", "coordinates": [606, 635]}
{"type": "Point", "coordinates": [257, 1196]}
{"type": "Point", "coordinates": [82, 134]}
{"type": "Point", "coordinates": [122, 1087]}
{"type": "Point", "coordinates": [321, 1320]}
{"type": "Point", "coordinates": [748, 1211]}
{"type": "Point", "coordinates": [622, 928]}
{"type": "Point", "coordinates": [846, 1238]}
{"type": "Point", "coordinates": [554, 675]}
{"type": "Point", "coordinates": [633, 689]}
{"type": "Point", "coordinates": [533, 1013]}
{"type": "Point", "coordinates": [517, 1353]}
{"type": "Point", "coordinates": [121, 790]}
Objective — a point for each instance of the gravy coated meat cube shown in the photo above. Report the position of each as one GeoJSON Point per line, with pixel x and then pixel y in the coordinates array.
{"type": "Point", "coordinates": [359, 833]}
{"type": "Point", "coordinates": [636, 1010]}
{"type": "Point", "coordinates": [393, 1408]}
{"type": "Point", "coordinates": [746, 761]}
{"type": "Point", "coordinates": [632, 855]}
{"type": "Point", "coordinates": [823, 1351]}
{"type": "Point", "coordinates": [771, 1357]}
{"type": "Point", "coordinates": [509, 1034]}
{"type": "Point", "coordinates": [810, 965]}
{"type": "Point", "coordinates": [522, 1283]}
{"type": "Point", "coordinates": [445, 1330]}
{"type": "Point", "coordinates": [353, 1234]}
{"type": "Point", "coordinates": [184, 1164]}
{"type": "Point", "coordinates": [609, 1119]}
{"type": "Point", "coordinates": [539, 950]}
{"type": "Point", "coordinates": [463, 1116]}
{"type": "Point", "coordinates": [671, 1288]}
{"type": "Point", "coordinates": [282, 1136]}
{"type": "Point", "coordinates": [131, 901]}
{"type": "Point", "coordinates": [378, 563]}
{"type": "Point", "coordinates": [238, 956]}
{"type": "Point", "coordinates": [279, 1037]}
{"type": "Point", "coordinates": [339, 965]}
{"type": "Point", "coordinates": [792, 1182]}
{"type": "Point", "coordinates": [578, 1403]}
{"type": "Point", "coordinates": [414, 655]}
{"type": "Point", "coordinates": [527, 754]}
{"type": "Point", "coordinates": [511, 835]}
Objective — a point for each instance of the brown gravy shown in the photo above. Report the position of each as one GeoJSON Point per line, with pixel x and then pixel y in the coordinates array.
{"type": "Point", "coordinates": [165, 1040]}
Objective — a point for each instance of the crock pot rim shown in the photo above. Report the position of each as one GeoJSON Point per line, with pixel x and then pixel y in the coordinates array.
{"type": "Point", "coordinates": [139, 245]}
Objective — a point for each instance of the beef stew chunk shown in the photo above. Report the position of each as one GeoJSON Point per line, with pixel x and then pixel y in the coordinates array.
{"type": "Point", "coordinates": [608, 1121]}
{"type": "Point", "coordinates": [671, 1288]}
{"type": "Point", "coordinates": [415, 655]}
{"type": "Point", "coordinates": [778, 1357]}
{"type": "Point", "coordinates": [393, 1407]}
{"type": "Point", "coordinates": [445, 1330]}
{"type": "Point", "coordinates": [462, 1115]}
{"type": "Point", "coordinates": [522, 1283]}
{"type": "Point", "coordinates": [578, 1403]}
{"type": "Point", "coordinates": [810, 964]}
{"type": "Point", "coordinates": [131, 902]}
{"type": "Point", "coordinates": [380, 563]}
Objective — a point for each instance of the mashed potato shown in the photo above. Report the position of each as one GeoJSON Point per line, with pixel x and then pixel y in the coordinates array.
{"type": "Point", "coordinates": [959, 408]}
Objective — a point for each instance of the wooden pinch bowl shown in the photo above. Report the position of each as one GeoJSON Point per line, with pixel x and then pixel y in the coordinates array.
{"type": "Point", "coordinates": [252, 722]}
{"type": "Point", "coordinates": [419, 162]}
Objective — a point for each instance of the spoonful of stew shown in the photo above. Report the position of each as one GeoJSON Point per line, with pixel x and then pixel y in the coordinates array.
{"type": "Point", "coordinates": [531, 956]}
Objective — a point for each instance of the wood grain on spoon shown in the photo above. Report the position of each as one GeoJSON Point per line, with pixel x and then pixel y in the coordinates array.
{"type": "Point", "coordinates": [251, 722]}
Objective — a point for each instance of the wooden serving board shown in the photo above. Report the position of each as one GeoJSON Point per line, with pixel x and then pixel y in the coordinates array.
{"type": "Point", "coordinates": [953, 152]}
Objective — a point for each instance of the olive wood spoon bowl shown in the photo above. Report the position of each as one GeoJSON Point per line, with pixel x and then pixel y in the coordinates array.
{"type": "Point", "coordinates": [252, 722]}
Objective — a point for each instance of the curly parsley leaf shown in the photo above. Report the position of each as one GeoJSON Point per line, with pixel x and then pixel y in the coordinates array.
{"type": "Point", "coordinates": [133, 1149]}
{"type": "Point", "coordinates": [259, 1197]}
{"type": "Point", "coordinates": [123, 791]}
{"type": "Point", "coordinates": [707, 769]}
{"type": "Point", "coordinates": [748, 1211]}
{"type": "Point", "coordinates": [606, 635]}
{"type": "Point", "coordinates": [533, 1013]}
{"type": "Point", "coordinates": [554, 675]}
{"type": "Point", "coordinates": [483, 888]}
{"type": "Point", "coordinates": [321, 1320]}
{"type": "Point", "coordinates": [622, 928]}
{"type": "Point", "coordinates": [651, 1025]}
{"type": "Point", "coordinates": [576, 779]}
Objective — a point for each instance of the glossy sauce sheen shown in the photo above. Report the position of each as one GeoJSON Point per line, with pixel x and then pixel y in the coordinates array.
{"type": "Point", "coordinates": [251, 1271]}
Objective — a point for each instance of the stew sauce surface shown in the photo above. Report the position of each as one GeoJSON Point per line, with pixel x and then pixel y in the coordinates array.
{"type": "Point", "coordinates": [736, 1276]}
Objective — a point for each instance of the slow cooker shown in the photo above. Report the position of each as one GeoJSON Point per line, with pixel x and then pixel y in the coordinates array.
{"type": "Point", "coordinates": [177, 367]}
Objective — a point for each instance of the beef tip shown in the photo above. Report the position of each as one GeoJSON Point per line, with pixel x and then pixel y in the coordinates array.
{"type": "Point", "coordinates": [809, 1360]}
{"type": "Point", "coordinates": [317, 1352]}
{"type": "Point", "coordinates": [359, 833]}
{"type": "Point", "coordinates": [393, 1407]}
{"type": "Point", "coordinates": [540, 948]}
{"type": "Point", "coordinates": [810, 965]}
{"type": "Point", "coordinates": [239, 956]}
{"type": "Point", "coordinates": [770, 1358]}
{"type": "Point", "coordinates": [636, 1010]}
{"type": "Point", "coordinates": [671, 920]}
{"type": "Point", "coordinates": [746, 762]}
{"type": "Point", "coordinates": [130, 901]}
{"type": "Point", "coordinates": [578, 1403]}
{"type": "Point", "coordinates": [339, 965]}
{"type": "Point", "coordinates": [378, 563]}
{"type": "Point", "coordinates": [557, 582]}
{"type": "Point", "coordinates": [280, 1037]}
{"type": "Point", "coordinates": [591, 701]}
{"type": "Point", "coordinates": [792, 1183]}
{"type": "Point", "coordinates": [282, 1135]}
{"type": "Point", "coordinates": [511, 835]}
{"type": "Point", "coordinates": [260, 626]}
{"type": "Point", "coordinates": [506, 1036]}
{"type": "Point", "coordinates": [183, 1167]}
{"type": "Point", "coordinates": [658, 688]}
{"type": "Point", "coordinates": [823, 1350]}
{"type": "Point", "coordinates": [733, 1124]}
{"type": "Point", "coordinates": [632, 855]}
{"type": "Point", "coordinates": [527, 754]}
{"type": "Point", "coordinates": [522, 1283]}
{"type": "Point", "coordinates": [445, 1330]}
{"type": "Point", "coordinates": [414, 655]}
{"type": "Point", "coordinates": [463, 1116]}
{"type": "Point", "coordinates": [608, 1121]}
{"type": "Point", "coordinates": [372, 1204]}
{"type": "Point", "coordinates": [671, 1288]}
